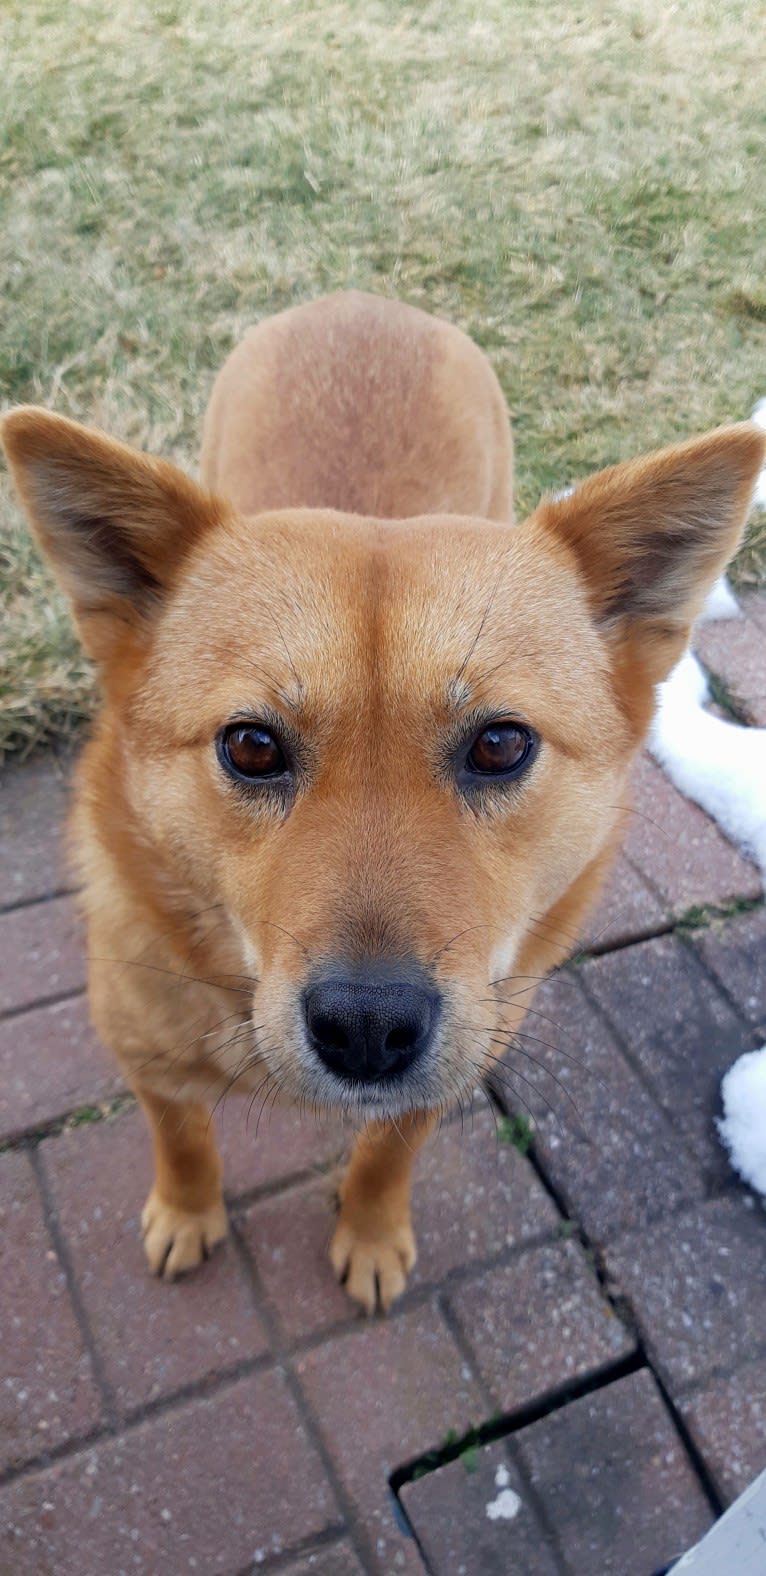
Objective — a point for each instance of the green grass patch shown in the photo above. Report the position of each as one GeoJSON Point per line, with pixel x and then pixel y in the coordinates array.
{"type": "Point", "coordinates": [580, 189]}
{"type": "Point", "coordinates": [700, 916]}
{"type": "Point", "coordinates": [517, 1131]}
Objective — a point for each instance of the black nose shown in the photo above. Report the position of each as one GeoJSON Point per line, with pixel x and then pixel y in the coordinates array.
{"type": "Point", "coordinates": [368, 1028]}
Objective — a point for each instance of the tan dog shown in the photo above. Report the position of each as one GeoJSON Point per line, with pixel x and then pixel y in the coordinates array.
{"type": "Point", "coordinates": [362, 759]}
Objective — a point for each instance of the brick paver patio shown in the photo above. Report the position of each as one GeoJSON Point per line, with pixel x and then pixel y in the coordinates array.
{"type": "Point", "coordinates": [575, 1381]}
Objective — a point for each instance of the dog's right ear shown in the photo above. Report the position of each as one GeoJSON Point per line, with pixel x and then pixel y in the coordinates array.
{"type": "Point", "coordinates": [114, 523]}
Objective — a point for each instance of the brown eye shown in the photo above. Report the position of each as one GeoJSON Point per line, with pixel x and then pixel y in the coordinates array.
{"type": "Point", "coordinates": [500, 750]}
{"type": "Point", "coordinates": [249, 751]}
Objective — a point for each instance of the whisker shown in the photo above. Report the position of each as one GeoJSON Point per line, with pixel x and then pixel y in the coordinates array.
{"type": "Point", "coordinates": [509, 1043]}
{"type": "Point", "coordinates": [190, 979]}
{"type": "Point", "coordinates": [630, 809]}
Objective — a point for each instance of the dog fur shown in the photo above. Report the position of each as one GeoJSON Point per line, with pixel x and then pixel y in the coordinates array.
{"type": "Point", "coordinates": [351, 578]}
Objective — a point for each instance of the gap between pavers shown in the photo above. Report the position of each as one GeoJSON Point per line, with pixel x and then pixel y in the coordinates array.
{"type": "Point", "coordinates": [602, 1484]}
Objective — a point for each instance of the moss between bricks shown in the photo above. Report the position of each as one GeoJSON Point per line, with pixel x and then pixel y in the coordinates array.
{"type": "Point", "coordinates": [516, 1130]}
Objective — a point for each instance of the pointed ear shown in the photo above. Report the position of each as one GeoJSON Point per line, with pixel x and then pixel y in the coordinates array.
{"type": "Point", "coordinates": [114, 523]}
{"type": "Point", "coordinates": [651, 536]}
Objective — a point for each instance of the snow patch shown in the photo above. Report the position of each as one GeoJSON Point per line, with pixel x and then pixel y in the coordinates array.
{"type": "Point", "coordinates": [502, 1477]}
{"type": "Point", "coordinates": [720, 603]}
{"type": "Point", "coordinates": [743, 1124]}
{"type": "Point", "coordinates": [718, 764]}
{"type": "Point", "coordinates": [505, 1507]}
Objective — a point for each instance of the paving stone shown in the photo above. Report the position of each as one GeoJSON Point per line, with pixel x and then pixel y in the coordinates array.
{"type": "Point", "coordinates": [600, 1137]}
{"type": "Point", "coordinates": [51, 1063]}
{"type": "Point", "coordinates": [614, 1480]}
{"type": "Point", "coordinates": [727, 1421]}
{"type": "Point", "coordinates": [475, 1196]}
{"type": "Point", "coordinates": [679, 849]}
{"type": "Point", "coordinates": [735, 951]}
{"type": "Point", "coordinates": [153, 1336]}
{"type": "Point", "coordinates": [474, 1518]}
{"type": "Point", "coordinates": [210, 1486]}
{"type": "Point", "coordinates": [696, 1288]}
{"type": "Point", "coordinates": [473, 1199]}
{"type": "Point", "coordinates": [382, 1394]}
{"type": "Point", "coordinates": [42, 953]}
{"type": "Point", "coordinates": [338, 1559]}
{"type": "Point", "coordinates": [735, 650]}
{"type": "Point", "coordinates": [626, 908]}
{"type": "Point", "coordinates": [288, 1238]}
{"type": "Point", "coordinates": [33, 802]}
{"type": "Point", "coordinates": [285, 1144]}
{"type": "Point", "coordinates": [753, 604]}
{"type": "Point", "coordinates": [677, 1026]}
{"type": "Point", "coordinates": [538, 1323]}
{"type": "Point", "coordinates": [47, 1390]}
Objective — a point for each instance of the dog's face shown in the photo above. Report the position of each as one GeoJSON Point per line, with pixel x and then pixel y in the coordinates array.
{"type": "Point", "coordinates": [387, 751]}
{"type": "Point", "coordinates": [388, 756]}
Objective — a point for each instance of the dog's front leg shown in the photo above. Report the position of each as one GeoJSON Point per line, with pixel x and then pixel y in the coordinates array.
{"type": "Point", "coordinates": [184, 1215]}
{"type": "Point", "coordinates": [373, 1248]}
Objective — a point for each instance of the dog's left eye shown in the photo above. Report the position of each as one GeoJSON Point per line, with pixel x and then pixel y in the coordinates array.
{"type": "Point", "coordinates": [252, 752]}
{"type": "Point", "coordinates": [501, 750]}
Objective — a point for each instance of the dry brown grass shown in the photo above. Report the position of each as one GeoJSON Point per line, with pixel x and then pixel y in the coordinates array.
{"type": "Point", "coordinates": [581, 188]}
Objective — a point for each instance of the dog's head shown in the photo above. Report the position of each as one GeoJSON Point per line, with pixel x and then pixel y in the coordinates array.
{"type": "Point", "coordinates": [389, 750]}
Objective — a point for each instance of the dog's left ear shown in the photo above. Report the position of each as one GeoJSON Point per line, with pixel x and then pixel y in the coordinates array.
{"type": "Point", "coordinates": [651, 536]}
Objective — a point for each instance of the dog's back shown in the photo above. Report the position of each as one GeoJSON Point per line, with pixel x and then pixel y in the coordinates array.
{"type": "Point", "coordinates": [361, 404]}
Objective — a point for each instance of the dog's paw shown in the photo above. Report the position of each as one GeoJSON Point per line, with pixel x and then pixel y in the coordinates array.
{"type": "Point", "coordinates": [373, 1265]}
{"type": "Point", "coordinates": [176, 1240]}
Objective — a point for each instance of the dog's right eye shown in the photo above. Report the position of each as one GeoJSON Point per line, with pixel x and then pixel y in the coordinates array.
{"type": "Point", "coordinates": [251, 752]}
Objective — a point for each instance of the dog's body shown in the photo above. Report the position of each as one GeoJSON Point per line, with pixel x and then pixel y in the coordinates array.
{"type": "Point", "coordinates": [362, 760]}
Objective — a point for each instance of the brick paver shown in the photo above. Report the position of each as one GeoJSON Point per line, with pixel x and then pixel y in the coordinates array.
{"type": "Point", "coordinates": [467, 1528]}
{"type": "Point", "coordinates": [695, 1284]}
{"type": "Point", "coordinates": [379, 1392]}
{"type": "Point", "coordinates": [474, 1199]}
{"type": "Point", "coordinates": [283, 1144]}
{"type": "Point", "coordinates": [337, 1559]}
{"type": "Point", "coordinates": [218, 1484]}
{"type": "Point", "coordinates": [678, 1029]}
{"type": "Point", "coordinates": [617, 1487]}
{"type": "Point", "coordinates": [33, 803]}
{"type": "Point", "coordinates": [41, 953]}
{"type": "Point", "coordinates": [537, 1323]}
{"type": "Point", "coordinates": [735, 650]}
{"type": "Point", "coordinates": [47, 1389]}
{"type": "Point", "coordinates": [247, 1418]}
{"type": "Point", "coordinates": [51, 1063]}
{"type": "Point", "coordinates": [753, 604]}
{"type": "Point", "coordinates": [626, 908]}
{"type": "Point", "coordinates": [735, 952]}
{"type": "Point", "coordinates": [152, 1337]}
{"type": "Point", "coordinates": [601, 1137]}
{"type": "Point", "coordinates": [727, 1421]}
{"type": "Point", "coordinates": [679, 850]}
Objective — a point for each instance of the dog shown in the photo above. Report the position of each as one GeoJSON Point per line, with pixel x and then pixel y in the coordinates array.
{"type": "Point", "coordinates": [362, 757]}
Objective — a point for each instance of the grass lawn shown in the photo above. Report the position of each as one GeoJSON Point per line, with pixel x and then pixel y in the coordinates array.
{"type": "Point", "coordinates": [581, 187]}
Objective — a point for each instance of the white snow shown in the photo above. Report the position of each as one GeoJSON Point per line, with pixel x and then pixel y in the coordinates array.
{"type": "Point", "coordinates": [718, 764]}
{"type": "Point", "coordinates": [720, 603]}
{"type": "Point", "coordinates": [743, 1124]}
{"type": "Point", "coordinates": [505, 1507]}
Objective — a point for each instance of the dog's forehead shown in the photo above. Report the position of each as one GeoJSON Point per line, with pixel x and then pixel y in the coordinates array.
{"type": "Point", "coordinates": [438, 611]}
